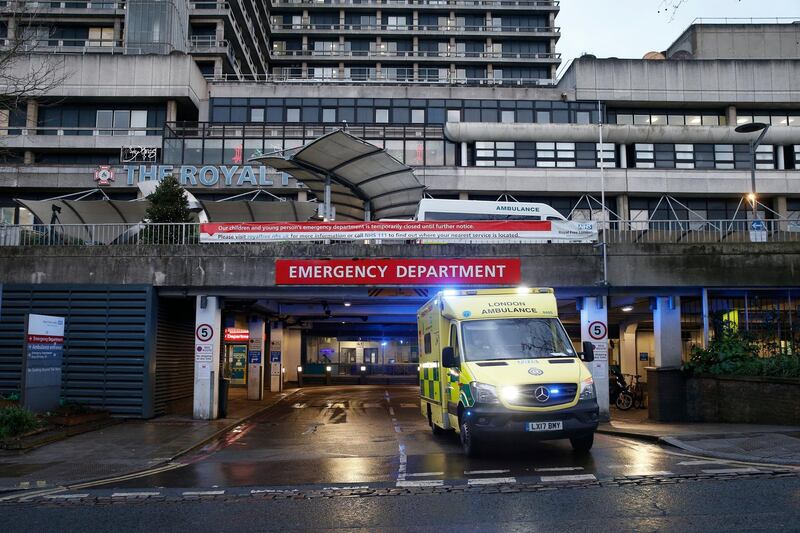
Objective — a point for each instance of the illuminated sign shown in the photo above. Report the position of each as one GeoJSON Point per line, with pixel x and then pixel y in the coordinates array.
{"type": "Point", "coordinates": [397, 271]}
{"type": "Point", "coordinates": [206, 176]}
{"type": "Point", "coordinates": [236, 335]}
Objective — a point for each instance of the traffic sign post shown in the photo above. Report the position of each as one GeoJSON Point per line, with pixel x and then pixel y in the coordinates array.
{"type": "Point", "coordinates": [208, 317]}
{"type": "Point", "coordinates": [594, 329]}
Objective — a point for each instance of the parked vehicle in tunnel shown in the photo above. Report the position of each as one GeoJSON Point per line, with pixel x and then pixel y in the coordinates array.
{"type": "Point", "coordinates": [498, 362]}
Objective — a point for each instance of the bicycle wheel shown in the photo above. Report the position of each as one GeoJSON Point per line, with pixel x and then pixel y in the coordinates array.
{"type": "Point", "coordinates": [624, 401]}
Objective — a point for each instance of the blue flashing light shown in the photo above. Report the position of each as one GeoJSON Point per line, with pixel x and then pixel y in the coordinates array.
{"type": "Point", "coordinates": [384, 343]}
{"type": "Point", "coordinates": [554, 391]}
{"type": "Point", "coordinates": [469, 413]}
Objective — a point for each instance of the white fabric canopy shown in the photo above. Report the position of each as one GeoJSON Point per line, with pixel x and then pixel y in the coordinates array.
{"type": "Point", "coordinates": [360, 172]}
{"type": "Point", "coordinates": [249, 211]}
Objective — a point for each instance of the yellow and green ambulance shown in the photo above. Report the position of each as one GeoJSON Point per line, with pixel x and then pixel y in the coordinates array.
{"type": "Point", "coordinates": [498, 361]}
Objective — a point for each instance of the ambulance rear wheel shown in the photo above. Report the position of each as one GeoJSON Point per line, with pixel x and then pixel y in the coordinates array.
{"type": "Point", "coordinates": [436, 430]}
{"type": "Point", "coordinates": [583, 443]}
{"type": "Point", "coordinates": [469, 441]}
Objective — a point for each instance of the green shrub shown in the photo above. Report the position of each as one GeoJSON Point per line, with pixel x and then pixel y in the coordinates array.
{"type": "Point", "coordinates": [16, 421]}
{"type": "Point", "coordinates": [737, 353]}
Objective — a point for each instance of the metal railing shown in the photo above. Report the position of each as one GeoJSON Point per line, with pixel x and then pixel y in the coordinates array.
{"type": "Point", "coordinates": [37, 6]}
{"type": "Point", "coordinates": [432, 3]}
{"type": "Point", "coordinates": [413, 53]}
{"type": "Point", "coordinates": [415, 28]}
{"type": "Point", "coordinates": [80, 131]}
{"type": "Point", "coordinates": [321, 369]}
{"type": "Point", "coordinates": [634, 232]}
{"type": "Point", "coordinates": [378, 78]}
{"type": "Point", "coordinates": [186, 130]}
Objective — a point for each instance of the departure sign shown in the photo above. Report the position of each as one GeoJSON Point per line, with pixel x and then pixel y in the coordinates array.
{"type": "Point", "coordinates": [397, 271]}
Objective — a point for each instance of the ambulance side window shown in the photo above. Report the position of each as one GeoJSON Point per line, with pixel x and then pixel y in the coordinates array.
{"type": "Point", "coordinates": [427, 343]}
{"type": "Point", "coordinates": [454, 341]}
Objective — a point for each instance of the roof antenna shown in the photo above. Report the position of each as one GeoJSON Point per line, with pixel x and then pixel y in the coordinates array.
{"type": "Point", "coordinates": [344, 125]}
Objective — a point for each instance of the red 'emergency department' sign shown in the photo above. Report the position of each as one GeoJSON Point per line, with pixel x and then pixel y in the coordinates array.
{"type": "Point", "coordinates": [397, 271]}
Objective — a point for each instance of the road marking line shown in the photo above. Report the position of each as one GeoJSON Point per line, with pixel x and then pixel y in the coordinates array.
{"type": "Point", "coordinates": [559, 469]}
{"type": "Point", "coordinates": [732, 471]}
{"type": "Point", "coordinates": [409, 406]}
{"type": "Point", "coordinates": [203, 492]}
{"type": "Point", "coordinates": [654, 473]}
{"type": "Point", "coordinates": [66, 496]}
{"type": "Point", "coordinates": [698, 463]}
{"type": "Point", "coordinates": [491, 480]}
{"type": "Point", "coordinates": [134, 494]}
{"type": "Point", "coordinates": [578, 477]}
{"type": "Point", "coordinates": [346, 487]}
{"type": "Point", "coordinates": [271, 491]}
{"type": "Point", "coordinates": [425, 474]}
{"type": "Point", "coordinates": [391, 411]}
{"type": "Point", "coordinates": [421, 483]}
{"type": "Point", "coordinates": [401, 470]}
{"type": "Point", "coordinates": [299, 406]}
{"type": "Point", "coordinates": [639, 465]}
{"type": "Point", "coordinates": [479, 472]}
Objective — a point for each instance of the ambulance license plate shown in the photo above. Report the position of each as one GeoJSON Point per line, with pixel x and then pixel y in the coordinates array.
{"type": "Point", "coordinates": [544, 426]}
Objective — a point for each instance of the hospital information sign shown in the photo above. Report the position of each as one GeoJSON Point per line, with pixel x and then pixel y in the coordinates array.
{"type": "Point", "coordinates": [44, 347]}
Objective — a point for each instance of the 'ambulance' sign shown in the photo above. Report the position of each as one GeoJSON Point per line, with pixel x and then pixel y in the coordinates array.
{"type": "Point", "coordinates": [397, 271]}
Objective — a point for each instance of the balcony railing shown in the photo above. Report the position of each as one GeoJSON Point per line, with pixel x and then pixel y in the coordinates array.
{"type": "Point", "coordinates": [414, 28]}
{"type": "Point", "coordinates": [434, 77]}
{"type": "Point", "coordinates": [38, 6]}
{"type": "Point", "coordinates": [250, 130]}
{"type": "Point", "coordinates": [94, 131]}
{"type": "Point", "coordinates": [413, 54]}
{"type": "Point", "coordinates": [686, 232]}
{"type": "Point", "coordinates": [53, 45]}
{"type": "Point", "coordinates": [433, 3]}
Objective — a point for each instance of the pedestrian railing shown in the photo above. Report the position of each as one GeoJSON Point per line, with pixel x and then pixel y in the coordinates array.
{"type": "Point", "coordinates": [616, 232]}
{"type": "Point", "coordinates": [359, 369]}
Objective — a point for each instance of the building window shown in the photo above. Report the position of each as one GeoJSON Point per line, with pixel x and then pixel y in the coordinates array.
{"type": "Point", "coordinates": [257, 114]}
{"type": "Point", "coordinates": [293, 114]}
{"type": "Point", "coordinates": [418, 116]}
{"type": "Point", "coordinates": [495, 154]}
{"type": "Point", "coordinates": [453, 115]}
{"type": "Point", "coordinates": [329, 115]}
{"type": "Point", "coordinates": [382, 116]}
{"type": "Point", "coordinates": [507, 116]}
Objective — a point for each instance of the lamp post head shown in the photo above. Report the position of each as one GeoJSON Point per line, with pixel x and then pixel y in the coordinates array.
{"type": "Point", "coordinates": [751, 127]}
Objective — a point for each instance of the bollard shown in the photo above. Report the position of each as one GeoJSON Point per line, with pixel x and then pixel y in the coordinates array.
{"type": "Point", "coordinates": [299, 376]}
{"type": "Point", "coordinates": [327, 375]}
{"type": "Point", "coordinates": [362, 378]}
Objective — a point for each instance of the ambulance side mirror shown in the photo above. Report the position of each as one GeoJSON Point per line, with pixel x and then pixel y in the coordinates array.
{"type": "Point", "coordinates": [587, 356]}
{"type": "Point", "coordinates": [449, 357]}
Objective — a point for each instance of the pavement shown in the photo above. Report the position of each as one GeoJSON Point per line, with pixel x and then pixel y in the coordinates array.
{"type": "Point", "coordinates": [751, 443]}
{"type": "Point", "coordinates": [125, 448]}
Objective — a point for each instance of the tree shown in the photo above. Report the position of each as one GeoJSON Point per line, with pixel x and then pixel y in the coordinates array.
{"type": "Point", "coordinates": [168, 203]}
{"type": "Point", "coordinates": [24, 72]}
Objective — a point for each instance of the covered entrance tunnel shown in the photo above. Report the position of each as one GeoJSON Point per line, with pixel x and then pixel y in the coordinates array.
{"type": "Point", "coordinates": [279, 337]}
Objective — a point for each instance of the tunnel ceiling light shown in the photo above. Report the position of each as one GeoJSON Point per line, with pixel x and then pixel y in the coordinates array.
{"type": "Point", "coordinates": [347, 304]}
{"type": "Point", "coordinates": [627, 309]}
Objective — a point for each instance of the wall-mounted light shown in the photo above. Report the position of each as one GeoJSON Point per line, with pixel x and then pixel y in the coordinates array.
{"type": "Point", "coordinates": [627, 309]}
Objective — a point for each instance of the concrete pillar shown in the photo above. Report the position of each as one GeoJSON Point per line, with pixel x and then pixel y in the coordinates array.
{"type": "Point", "coordinates": [28, 158]}
{"type": "Point", "coordinates": [781, 207]}
{"type": "Point", "coordinates": [463, 196]}
{"type": "Point", "coordinates": [464, 154]}
{"type": "Point", "coordinates": [667, 331]}
{"type": "Point", "coordinates": [623, 156]}
{"type": "Point", "coordinates": [781, 152]}
{"type": "Point", "coordinates": [32, 117]}
{"type": "Point", "coordinates": [11, 28]}
{"type": "Point", "coordinates": [207, 341]}
{"type": "Point", "coordinates": [172, 111]}
{"type": "Point", "coordinates": [594, 329]}
{"type": "Point", "coordinates": [302, 196]}
{"type": "Point", "coordinates": [255, 359]}
{"type": "Point", "coordinates": [730, 114]}
{"type": "Point", "coordinates": [342, 18]}
{"type": "Point", "coordinates": [623, 207]}
{"type": "Point", "coordinates": [218, 72]}
{"type": "Point", "coordinates": [3, 121]}
{"type": "Point", "coordinates": [628, 352]}
{"type": "Point", "coordinates": [291, 353]}
{"type": "Point", "coordinates": [220, 30]}
{"type": "Point", "coordinates": [275, 356]}
{"type": "Point", "coordinates": [117, 32]}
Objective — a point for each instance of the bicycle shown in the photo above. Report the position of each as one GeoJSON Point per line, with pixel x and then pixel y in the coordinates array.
{"type": "Point", "coordinates": [636, 389]}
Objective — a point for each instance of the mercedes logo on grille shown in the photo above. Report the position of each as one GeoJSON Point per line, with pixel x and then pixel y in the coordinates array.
{"type": "Point", "coordinates": [542, 394]}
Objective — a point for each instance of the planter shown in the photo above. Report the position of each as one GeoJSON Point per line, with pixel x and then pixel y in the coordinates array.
{"type": "Point", "coordinates": [76, 420]}
{"type": "Point", "coordinates": [744, 400]}
{"type": "Point", "coordinates": [9, 403]}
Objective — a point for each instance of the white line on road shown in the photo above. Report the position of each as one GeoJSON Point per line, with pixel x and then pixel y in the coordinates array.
{"type": "Point", "coordinates": [421, 483]}
{"type": "Point", "coordinates": [491, 480]}
{"type": "Point", "coordinates": [732, 471]}
{"type": "Point", "coordinates": [561, 479]}
{"type": "Point", "coordinates": [391, 411]}
{"type": "Point", "coordinates": [299, 406]}
{"type": "Point", "coordinates": [639, 465]}
{"type": "Point", "coordinates": [480, 472]}
{"type": "Point", "coordinates": [560, 469]}
{"type": "Point", "coordinates": [653, 473]}
{"type": "Point", "coordinates": [134, 494]}
{"type": "Point", "coordinates": [425, 474]}
{"type": "Point", "coordinates": [409, 406]}
{"type": "Point", "coordinates": [66, 496]}
{"type": "Point", "coordinates": [699, 463]}
{"type": "Point", "coordinates": [203, 492]}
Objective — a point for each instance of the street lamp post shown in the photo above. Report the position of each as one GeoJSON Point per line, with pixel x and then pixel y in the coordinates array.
{"type": "Point", "coordinates": [754, 127]}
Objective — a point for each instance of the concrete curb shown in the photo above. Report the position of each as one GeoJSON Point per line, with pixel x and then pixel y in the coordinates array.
{"type": "Point", "coordinates": [678, 443]}
{"type": "Point", "coordinates": [630, 434]}
{"type": "Point", "coordinates": [22, 493]}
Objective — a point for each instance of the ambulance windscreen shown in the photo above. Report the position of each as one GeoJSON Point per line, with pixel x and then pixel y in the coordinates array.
{"type": "Point", "coordinates": [515, 338]}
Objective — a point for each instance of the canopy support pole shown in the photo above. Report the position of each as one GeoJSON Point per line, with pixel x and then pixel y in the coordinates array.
{"type": "Point", "coordinates": [367, 211]}
{"type": "Point", "coordinates": [327, 206]}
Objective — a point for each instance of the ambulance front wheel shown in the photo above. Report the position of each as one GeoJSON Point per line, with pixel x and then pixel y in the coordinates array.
{"type": "Point", "coordinates": [469, 441]}
{"type": "Point", "coordinates": [583, 443]}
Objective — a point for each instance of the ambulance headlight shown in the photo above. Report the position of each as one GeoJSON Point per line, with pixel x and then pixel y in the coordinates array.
{"type": "Point", "coordinates": [484, 393]}
{"type": "Point", "coordinates": [509, 394]}
{"type": "Point", "coordinates": [588, 391]}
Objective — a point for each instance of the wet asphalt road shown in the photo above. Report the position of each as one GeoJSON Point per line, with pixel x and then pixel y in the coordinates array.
{"type": "Point", "coordinates": [376, 436]}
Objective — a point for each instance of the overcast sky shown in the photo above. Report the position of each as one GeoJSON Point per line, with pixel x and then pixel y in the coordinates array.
{"type": "Point", "coordinates": [631, 28]}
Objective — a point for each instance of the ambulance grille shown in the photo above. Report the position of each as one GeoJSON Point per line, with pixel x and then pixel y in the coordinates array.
{"type": "Point", "coordinates": [557, 394]}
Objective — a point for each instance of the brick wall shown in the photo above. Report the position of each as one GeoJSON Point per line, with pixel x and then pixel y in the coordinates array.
{"type": "Point", "coordinates": [747, 400]}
